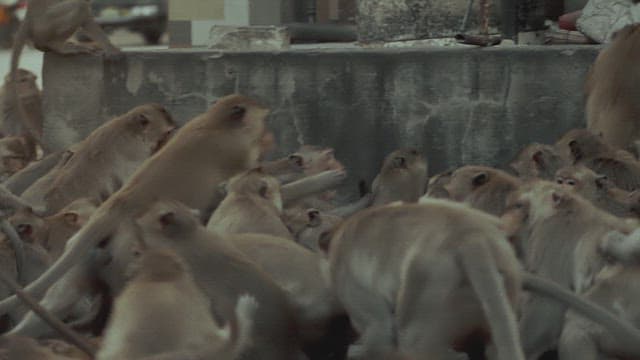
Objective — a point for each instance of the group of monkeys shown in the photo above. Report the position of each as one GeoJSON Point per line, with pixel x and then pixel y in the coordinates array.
{"type": "Point", "coordinates": [149, 241]}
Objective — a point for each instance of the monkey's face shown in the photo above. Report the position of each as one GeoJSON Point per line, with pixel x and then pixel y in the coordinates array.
{"type": "Point", "coordinates": [15, 155]}
{"type": "Point", "coordinates": [152, 124]}
{"type": "Point", "coordinates": [317, 230]}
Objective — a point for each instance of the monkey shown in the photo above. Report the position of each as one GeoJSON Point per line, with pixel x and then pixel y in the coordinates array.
{"type": "Point", "coordinates": [299, 272]}
{"type": "Point", "coordinates": [52, 232]}
{"type": "Point", "coordinates": [482, 187]}
{"type": "Point", "coordinates": [581, 146]}
{"type": "Point", "coordinates": [558, 233]}
{"type": "Point", "coordinates": [287, 169]}
{"type": "Point", "coordinates": [16, 152]}
{"type": "Point", "coordinates": [611, 89]}
{"type": "Point", "coordinates": [403, 177]}
{"type": "Point", "coordinates": [297, 190]}
{"type": "Point", "coordinates": [426, 291]}
{"type": "Point", "coordinates": [616, 288]}
{"type": "Point", "coordinates": [183, 170]}
{"type": "Point", "coordinates": [49, 24]}
{"type": "Point", "coordinates": [31, 99]}
{"type": "Point", "coordinates": [312, 228]}
{"type": "Point", "coordinates": [537, 161]}
{"type": "Point", "coordinates": [102, 162]}
{"type": "Point", "coordinates": [224, 273]}
{"type": "Point", "coordinates": [252, 205]}
{"type": "Point", "coordinates": [597, 189]}
{"type": "Point", "coordinates": [162, 310]}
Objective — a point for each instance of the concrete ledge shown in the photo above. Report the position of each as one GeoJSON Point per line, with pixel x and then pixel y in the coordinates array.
{"type": "Point", "coordinates": [459, 105]}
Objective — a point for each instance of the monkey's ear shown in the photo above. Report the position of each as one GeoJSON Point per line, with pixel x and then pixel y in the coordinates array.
{"type": "Point", "coordinates": [71, 218]}
{"type": "Point", "coordinates": [480, 178]}
{"type": "Point", "coordinates": [297, 160]}
{"type": "Point", "coordinates": [576, 151]}
{"type": "Point", "coordinates": [314, 219]}
{"type": "Point", "coordinates": [264, 189]}
{"type": "Point", "coordinates": [141, 119]}
{"type": "Point", "coordinates": [538, 159]}
{"type": "Point", "coordinates": [399, 162]}
{"type": "Point", "coordinates": [167, 219]}
{"type": "Point", "coordinates": [237, 113]}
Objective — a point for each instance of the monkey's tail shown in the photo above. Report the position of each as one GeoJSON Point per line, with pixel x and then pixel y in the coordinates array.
{"type": "Point", "coordinates": [55, 323]}
{"type": "Point", "coordinates": [480, 267]}
{"type": "Point", "coordinates": [242, 327]}
{"type": "Point", "coordinates": [621, 330]}
{"type": "Point", "coordinates": [33, 133]}
{"type": "Point", "coordinates": [99, 227]}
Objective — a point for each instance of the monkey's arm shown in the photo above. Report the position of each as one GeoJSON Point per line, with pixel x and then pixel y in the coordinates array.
{"type": "Point", "coordinates": [350, 209]}
{"type": "Point", "coordinates": [24, 178]}
{"type": "Point", "coordinates": [311, 185]}
{"type": "Point", "coordinates": [8, 201]}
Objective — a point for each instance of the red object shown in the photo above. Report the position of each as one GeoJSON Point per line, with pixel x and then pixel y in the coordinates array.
{"type": "Point", "coordinates": [568, 21]}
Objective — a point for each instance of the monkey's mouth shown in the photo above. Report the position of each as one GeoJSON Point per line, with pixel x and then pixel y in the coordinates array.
{"type": "Point", "coordinates": [163, 140]}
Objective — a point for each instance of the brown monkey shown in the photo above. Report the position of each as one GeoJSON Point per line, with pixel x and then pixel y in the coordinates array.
{"type": "Point", "coordinates": [538, 161]}
{"type": "Point", "coordinates": [559, 234]}
{"type": "Point", "coordinates": [597, 189]}
{"type": "Point", "coordinates": [161, 310]}
{"type": "Point", "coordinates": [481, 187]}
{"type": "Point", "coordinates": [31, 99]}
{"type": "Point", "coordinates": [52, 232]}
{"type": "Point", "coordinates": [312, 228]}
{"type": "Point", "coordinates": [612, 87]}
{"type": "Point", "coordinates": [581, 146]}
{"type": "Point", "coordinates": [403, 177]}
{"type": "Point", "coordinates": [287, 169]}
{"type": "Point", "coordinates": [448, 274]}
{"type": "Point", "coordinates": [102, 162]}
{"type": "Point", "coordinates": [16, 152]}
{"type": "Point", "coordinates": [48, 24]}
{"type": "Point", "coordinates": [253, 205]}
{"type": "Point", "coordinates": [299, 272]}
{"type": "Point", "coordinates": [186, 169]}
{"type": "Point", "coordinates": [224, 274]}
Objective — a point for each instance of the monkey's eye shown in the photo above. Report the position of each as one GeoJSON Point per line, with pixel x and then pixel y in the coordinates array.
{"type": "Point", "coordinates": [571, 182]}
{"type": "Point", "coordinates": [237, 112]}
{"type": "Point", "coordinates": [400, 161]}
{"type": "Point", "coordinates": [296, 159]}
{"type": "Point", "coordinates": [559, 181]}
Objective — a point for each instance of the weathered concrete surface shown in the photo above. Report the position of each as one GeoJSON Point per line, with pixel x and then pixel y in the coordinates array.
{"type": "Point", "coordinates": [458, 105]}
{"type": "Point", "coordinates": [395, 20]}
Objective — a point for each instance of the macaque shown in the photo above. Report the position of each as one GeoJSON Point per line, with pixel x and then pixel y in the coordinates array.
{"type": "Point", "coordinates": [597, 189]}
{"type": "Point", "coordinates": [162, 310]}
{"type": "Point", "coordinates": [16, 152]}
{"type": "Point", "coordinates": [481, 187]}
{"type": "Point", "coordinates": [538, 161]}
{"type": "Point", "coordinates": [558, 233]}
{"type": "Point", "coordinates": [222, 142]}
{"type": "Point", "coordinates": [100, 164]}
{"type": "Point", "coordinates": [612, 88]}
{"type": "Point", "coordinates": [312, 228]}
{"type": "Point", "coordinates": [31, 99]}
{"type": "Point", "coordinates": [253, 205]}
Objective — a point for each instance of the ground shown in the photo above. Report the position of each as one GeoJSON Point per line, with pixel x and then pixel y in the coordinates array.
{"type": "Point", "coordinates": [32, 59]}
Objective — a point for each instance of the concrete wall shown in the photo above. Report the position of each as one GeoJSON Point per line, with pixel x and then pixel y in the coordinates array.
{"type": "Point", "coordinates": [458, 105]}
